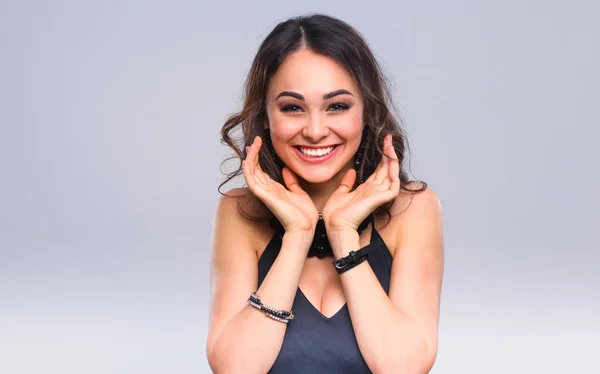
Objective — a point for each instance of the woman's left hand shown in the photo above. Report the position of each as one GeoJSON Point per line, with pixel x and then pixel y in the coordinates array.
{"type": "Point", "coordinates": [346, 209]}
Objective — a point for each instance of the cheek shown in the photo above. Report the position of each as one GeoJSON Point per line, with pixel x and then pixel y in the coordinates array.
{"type": "Point", "coordinates": [281, 134]}
{"type": "Point", "coordinates": [282, 131]}
{"type": "Point", "coordinates": [349, 126]}
{"type": "Point", "coordinates": [284, 128]}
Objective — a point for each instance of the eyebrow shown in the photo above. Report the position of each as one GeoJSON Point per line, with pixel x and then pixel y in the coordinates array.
{"type": "Point", "coordinates": [325, 97]}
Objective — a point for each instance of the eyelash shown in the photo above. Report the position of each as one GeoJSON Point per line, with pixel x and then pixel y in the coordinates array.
{"type": "Point", "coordinates": [293, 108]}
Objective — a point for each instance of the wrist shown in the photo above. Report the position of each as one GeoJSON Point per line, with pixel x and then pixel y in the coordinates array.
{"type": "Point", "coordinates": [301, 238]}
{"type": "Point", "coordinates": [343, 241]}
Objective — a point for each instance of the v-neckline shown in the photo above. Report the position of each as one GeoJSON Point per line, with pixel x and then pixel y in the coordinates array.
{"type": "Point", "coordinates": [372, 239]}
{"type": "Point", "coordinates": [301, 293]}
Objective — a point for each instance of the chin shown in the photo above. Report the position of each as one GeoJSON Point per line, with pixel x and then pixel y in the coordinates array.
{"type": "Point", "coordinates": [316, 179]}
{"type": "Point", "coordinates": [318, 175]}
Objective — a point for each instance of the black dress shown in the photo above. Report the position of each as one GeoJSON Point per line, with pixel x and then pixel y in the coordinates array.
{"type": "Point", "coordinates": [314, 343]}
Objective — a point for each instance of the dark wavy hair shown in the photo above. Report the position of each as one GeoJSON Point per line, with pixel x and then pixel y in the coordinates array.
{"type": "Point", "coordinates": [338, 40]}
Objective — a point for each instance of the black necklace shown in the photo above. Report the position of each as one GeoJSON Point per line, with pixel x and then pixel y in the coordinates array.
{"type": "Point", "coordinates": [320, 246]}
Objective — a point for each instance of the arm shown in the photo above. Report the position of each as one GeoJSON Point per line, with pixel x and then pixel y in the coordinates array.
{"type": "Point", "coordinates": [241, 338]}
{"type": "Point", "coordinates": [399, 333]}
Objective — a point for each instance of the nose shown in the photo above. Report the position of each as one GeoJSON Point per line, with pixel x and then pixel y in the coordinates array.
{"type": "Point", "coordinates": [316, 128]}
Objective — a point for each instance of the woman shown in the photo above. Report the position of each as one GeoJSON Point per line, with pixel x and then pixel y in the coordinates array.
{"type": "Point", "coordinates": [322, 162]}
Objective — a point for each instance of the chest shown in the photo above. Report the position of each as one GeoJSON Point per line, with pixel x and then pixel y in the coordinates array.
{"type": "Point", "coordinates": [320, 284]}
{"type": "Point", "coordinates": [320, 338]}
{"type": "Point", "coordinates": [314, 343]}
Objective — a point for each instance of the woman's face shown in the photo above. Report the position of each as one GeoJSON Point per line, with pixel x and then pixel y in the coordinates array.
{"type": "Point", "coordinates": [315, 114]}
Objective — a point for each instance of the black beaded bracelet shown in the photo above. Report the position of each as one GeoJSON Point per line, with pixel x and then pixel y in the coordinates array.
{"type": "Point", "coordinates": [276, 314]}
{"type": "Point", "coordinates": [354, 258]}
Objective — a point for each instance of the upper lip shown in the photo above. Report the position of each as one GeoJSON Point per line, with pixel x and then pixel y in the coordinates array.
{"type": "Point", "coordinates": [316, 146]}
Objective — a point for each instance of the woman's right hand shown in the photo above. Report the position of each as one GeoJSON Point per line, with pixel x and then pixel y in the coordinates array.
{"type": "Point", "coordinates": [292, 206]}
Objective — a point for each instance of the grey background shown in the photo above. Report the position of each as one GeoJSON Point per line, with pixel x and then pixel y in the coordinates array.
{"type": "Point", "coordinates": [109, 156]}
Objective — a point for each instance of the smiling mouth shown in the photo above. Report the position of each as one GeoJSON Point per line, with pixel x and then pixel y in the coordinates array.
{"type": "Point", "coordinates": [316, 152]}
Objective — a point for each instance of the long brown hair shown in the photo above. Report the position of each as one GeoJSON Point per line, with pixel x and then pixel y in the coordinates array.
{"type": "Point", "coordinates": [336, 39]}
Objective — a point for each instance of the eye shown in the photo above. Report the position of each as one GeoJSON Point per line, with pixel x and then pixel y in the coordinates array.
{"type": "Point", "coordinates": [338, 107]}
{"type": "Point", "coordinates": [291, 108]}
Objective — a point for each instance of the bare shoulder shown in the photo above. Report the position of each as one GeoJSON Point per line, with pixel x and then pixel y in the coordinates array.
{"type": "Point", "coordinates": [412, 213]}
{"type": "Point", "coordinates": [413, 203]}
{"type": "Point", "coordinates": [227, 213]}
{"type": "Point", "coordinates": [417, 216]}
{"type": "Point", "coordinates": [235, 225]}
{"type": "Point", "coordinates": [232, 233]}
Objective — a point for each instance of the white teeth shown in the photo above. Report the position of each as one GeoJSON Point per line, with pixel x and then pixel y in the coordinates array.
{"type": "Point", "coordinates": [312, 152]}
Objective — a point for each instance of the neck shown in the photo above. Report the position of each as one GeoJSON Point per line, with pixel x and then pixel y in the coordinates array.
{"type": "Point", "coordinates": [320, 192]}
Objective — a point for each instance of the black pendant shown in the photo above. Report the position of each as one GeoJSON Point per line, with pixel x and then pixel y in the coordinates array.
{"type": "Point", "coordinates": [320, 246]}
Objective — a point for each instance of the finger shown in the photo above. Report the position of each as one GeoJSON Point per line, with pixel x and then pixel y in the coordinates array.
{"type": "Point", "coordinates": [257, 145]}
{"type": "Point", "coordinates": [251, 164]}
{"type": "Point", "coordinates": [377, 169]}
{"type": "Point", "coordinates": [392, 154]}
{"type": "Point", "coordinates": [253, 184]}
{"type": "Point", "coordinates": [347, 181]}
{"type": "Point", "coordinates": [390, 161]}
{"type": "Point", "coordinates": [395, 185]}
{"type": "Point", "coordinates": [394, 171]}
{"type": "Point", "coordinates": [291, 180]}
{"type": "Point", "coordinates": [382, 173]}
{"type": "Point", "coordinates": [254, 149]}
{"type": "Point", "coordinates": [264, 177]}
{"type": "Point", "coordinates": [253, 160]}
{"type": "Point", "coordinates": [386, 182]}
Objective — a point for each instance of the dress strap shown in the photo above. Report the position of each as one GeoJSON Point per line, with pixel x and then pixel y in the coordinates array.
{"type": "Point", "coordinates": [375, 237]}
{"type": "Point", "coordinates": [276, 226]}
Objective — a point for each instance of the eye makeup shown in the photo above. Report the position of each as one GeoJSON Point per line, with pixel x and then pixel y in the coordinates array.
{"type": "Point", "coordinates": [335, 107]}
{"type": "Point", "coordinates": [290, 108]}
{"type": "Point", "coordinates": [338, 107]}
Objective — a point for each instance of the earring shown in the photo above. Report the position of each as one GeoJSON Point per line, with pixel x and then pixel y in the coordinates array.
{"type": "Point", "coordinates": [271, 149]}
{"type": "Point", "coordinates": [360, 154]}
